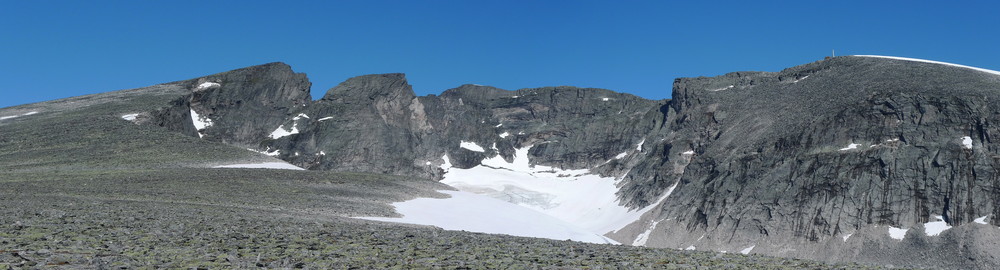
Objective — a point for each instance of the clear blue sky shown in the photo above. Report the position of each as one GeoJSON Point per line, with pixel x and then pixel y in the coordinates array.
{"type": "Point", "coordinates": [57, 49]}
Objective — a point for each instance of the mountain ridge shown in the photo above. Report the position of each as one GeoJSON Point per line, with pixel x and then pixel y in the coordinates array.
{"type": "Point", "coordinates": [815, 161]}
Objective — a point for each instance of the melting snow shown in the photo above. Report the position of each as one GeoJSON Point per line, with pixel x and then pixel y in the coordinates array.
{"type": "Point", "coordinates": [472, 146]}
{"type": "Point", "coordinates": [850, 146]}
{"type": "Point", "coordinates": [622, 155]}
{"type": "Point", "coordinates": [746, 251]}
{"type": "Point", "coordinates": [967, 142]}
{"type": "Point", "coordinates": [206, 85]}
{"type": "Point", "coordinates": [638, 147]}
{"type": "Point", "coordinates": [934, 228]}
{"type": "Point", "coordinates": [994, 72]}
{"type": "Point", "coordinates": [325, 118]}
{"type": "Point", "coordinates": [641, 239]}
{"type": "Point", "coordinates": [281, 132]}
{"type": "Point", "coordinates": [847, 236]}
{"type": "Point", "coordinates": [981, 220]}
{"type": "Point", "coordinates": [130, 117]}
{"type": "Point", "coordinates": [504, 135]}
{"type": "Point", "coordinates": [266, 165]}
{"type": "Point", "coordinates": [200, 122]}
{"type": "Point", "coordinates": [897, 233]}
{"type": "Point", "coordinates": [574, 196]}
{"type": "Point", "coordinates": [472, 212]}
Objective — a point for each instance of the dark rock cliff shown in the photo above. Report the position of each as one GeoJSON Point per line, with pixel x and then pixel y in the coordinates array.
{"type": "Point", "coordinates": [241, 106]}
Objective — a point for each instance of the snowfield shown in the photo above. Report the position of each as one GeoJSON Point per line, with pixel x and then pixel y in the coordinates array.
{"type": "Point", "coordinates": [525, 200]}
{"type": "Point", "coordinates": [477, 213]}
{"type": "Point", "coordinates": [265, 165]}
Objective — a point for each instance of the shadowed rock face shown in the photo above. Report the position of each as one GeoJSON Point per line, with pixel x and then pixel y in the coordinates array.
{"type": "Point", "coordinates": [790, 163]}
{"type": "Point", "coordinates": [242, 105]}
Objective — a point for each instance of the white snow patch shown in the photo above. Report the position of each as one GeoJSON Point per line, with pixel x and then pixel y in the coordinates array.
{"type": "Point", "coordinates": [282, 132]}
{"type": "Point", "coordinates": [515, 96]}
{"type": "Point", "coordinates": [690, 248]}
{"type": "Point", "coordinates": [967, 142]}
{"type": "Point", "coordinates": [322, 153]}
{"type": "Point", "coordinates": [934, 228]}
{"type": "Point", "coordinates": [574, 196]}
{"type": "Point", "coordinates": [897, 233]}
{"type": "Point", "coordinates": [605, 99]}
{"type": "Point", "coordinates": [130, 117]}
{"type": "Point", "coordinates": [994, 72]}
{"type": "Point", "coordinates": [638, 147]}
{"type": "Point", "coordinates": [981, 220]}
{"type": "Point", "coordinates": [847, 236]}
{"type": "Point", "coordinates": [892, 140]}
{"type": "Point", "coordinates": [477, 213]}
{"type": "Point", "coordinates": [427, 163]}
{"type": "Point", "coordinates": [504, 134]}
{"type": "Point", "coordinates": [850, 146]}
{"type": "Point", "coordinates": [472, 146]}
{"type": "Point", "coordinates": [446, 164]}
{"type": "Point", "coordinates": [325, 118]}
{"type": "Point", "coordinates": [268, 152]}
{"type": "Point", "coordinates": [265, 165]}
{"type": "Point", "coordinates": [724, 88]}
{"type": "Point", "coordinates": [16, 116]}
{"type": "Point", "coordinates": [688, 152]}
{"type": "Point", "coordinates": [499, 125]}
{"type": "Point", "coordinates": [641, 239]}
{"type": "Point", "coordinates": [200, 122]}
{"type": "Point", "coordinates": [622, 155]}
{"type": "Point", "coordinates": [803, 78]}
{"type": "Point", "coordinates": [746, 251]}
{"type": "Point", "coordinates": [206, 85]}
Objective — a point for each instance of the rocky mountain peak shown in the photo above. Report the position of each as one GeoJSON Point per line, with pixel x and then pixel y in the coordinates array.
{"type": "Point", "coordinates": [371, 87]}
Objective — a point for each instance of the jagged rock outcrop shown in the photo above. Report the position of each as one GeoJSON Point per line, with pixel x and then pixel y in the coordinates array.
{"type": "Point", "coordinates": [375, 123]}
{"type": "Point", "coordinates": [237, 107]}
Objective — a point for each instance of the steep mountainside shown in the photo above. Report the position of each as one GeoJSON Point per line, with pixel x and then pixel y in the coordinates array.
{"type": "Point", "coordinates": [868, 159]}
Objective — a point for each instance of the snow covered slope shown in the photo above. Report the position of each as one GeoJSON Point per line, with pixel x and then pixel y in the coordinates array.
{"type": "Point", "coordinates": [574, 196]}
{"type": "Point", "coordinates": [516, 198]}
{"type": "Point", "coordinates": [477, 213]}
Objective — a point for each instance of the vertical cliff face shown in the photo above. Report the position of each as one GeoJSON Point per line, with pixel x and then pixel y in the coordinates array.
{"type": "Point", "coordinates": [792, 161]}
{"type": "Point", "coordinates": [237, 107]}
{"type": "Point", "coordinates": [375, 123]}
